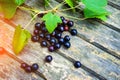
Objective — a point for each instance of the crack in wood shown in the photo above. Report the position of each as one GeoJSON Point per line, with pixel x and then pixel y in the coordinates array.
{"type": "Point", "coordinates": [108, 25]}
{"type": "Point", "coordinates": [114, 5]}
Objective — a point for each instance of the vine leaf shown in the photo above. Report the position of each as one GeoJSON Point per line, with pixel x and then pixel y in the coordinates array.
{"type": "Point", "coordinates": [95, 9]}
{"type": "Point", "coordinates": [8, 7]}
{"type": "Point", "coordinates": [51, 21]}
{"type": "Point", "coordinates": [20, 39]}
{"type": "Point", "coordinates": [46, 2]}
{"type": "Point", "coordinates": [70, 3]}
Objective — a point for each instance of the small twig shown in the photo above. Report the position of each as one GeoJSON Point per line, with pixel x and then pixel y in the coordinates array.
{"type": "Point", "coordinates": [72, 16]}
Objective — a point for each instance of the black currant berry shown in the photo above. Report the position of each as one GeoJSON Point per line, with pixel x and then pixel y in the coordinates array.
{"type": "Point", "coordinates": [38, 26]}
{"type": "Point", "coordinates": [67, 38]}
{"type": "Point", "coordinates": [36, 31]}
{"type": "Point", "coordinates": [43, 29]}
{"type": "Point", "coordinates": [23, 65]}
{"type": "Point", "coordinates": [62, 18]}
{"type": "Point", "coordinates": [54, 33]}
{"type": "Point", "coordinates": [70, 23]}
{"type": "Point", "coordinates": [61, 40]}
{"type": "Point", "coordinates": [58, 35]}
{"type": "Point", "coordinates": [64, 22]}
{"type": "Point", "coordinates": [41, 15]}
{"type": "Point", "coordinates": [57, 46]}
{"type": "Point", "coordinates": [77, 64]}
{"type": "Point", "coordinates": [66, 28]}
{"type": "Point", "coordinates": [28, 69]}
{"type": "Point", "coordinates": [41, 35]}
{"type": "Point", "coordinates": [67, 44]}
{"type": "Point", "coordinates": [60, 28]}
{"type": "Point", "coordinates": [52, 41]}
{"type": "Point", "coordinates": [51, 48]}
{"type": "Point", "coordinates": [48, 58]}
{"type": "Point", "coordinates": [35, 38]}
{"type": "Point", "coordinates": [73, 32]}
{"type": "Point", "coordinates": [43, 44]}
{"type": "Point", "coordinates": [34, 67]}
{"type": "Point", "coordinates": [47, 37]}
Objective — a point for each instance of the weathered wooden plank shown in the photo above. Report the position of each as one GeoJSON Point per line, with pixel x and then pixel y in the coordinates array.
{"type": "Point", "coordinates": [60, 68]}
{"type": "Point", "coordinates": [10, 70]}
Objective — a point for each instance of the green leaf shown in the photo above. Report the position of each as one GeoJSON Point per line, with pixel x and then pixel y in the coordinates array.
{"type": "Point", "coordinates": [51, 21]}
{"type": "Point", "coordinates": [20, 39]}
{"type": "Point", "coordinates": [19, 2]}
{"type": "Point", "coordinates": [8, 7]}
{"type": "Point", "coordinates": [95, 9]}
{"type": "Point", "coordinates": [46, 2]}
{"type": "Point", "coordinates": [70, 3]}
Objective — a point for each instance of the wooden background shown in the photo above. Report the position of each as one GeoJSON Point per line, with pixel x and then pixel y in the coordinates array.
{"type": "Point", "coordinates": [97, 47]}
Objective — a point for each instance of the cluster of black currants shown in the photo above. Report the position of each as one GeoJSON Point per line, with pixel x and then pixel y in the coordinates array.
{"type": "Point", "coordinates": [55, 40]}
{"type": "Point", "coordinates": [34, 67]}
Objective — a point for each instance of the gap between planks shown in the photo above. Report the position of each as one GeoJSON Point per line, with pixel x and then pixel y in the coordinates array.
{"type": "Point", "coordinates": [114, 5]}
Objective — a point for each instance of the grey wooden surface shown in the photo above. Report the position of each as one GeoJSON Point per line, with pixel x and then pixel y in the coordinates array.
{"type": "Point", "coordinates": [97, 46]}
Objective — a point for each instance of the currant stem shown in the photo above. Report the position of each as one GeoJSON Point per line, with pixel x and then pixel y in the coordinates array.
{"type": "Point", "coordinates": [72, 16]}
{"type": "Point", "coordinates": [30, 21]}
{"type": "Point", "coordinates": [68, 8]}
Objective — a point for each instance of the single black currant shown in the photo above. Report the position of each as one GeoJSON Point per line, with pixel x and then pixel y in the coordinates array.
{"type": "Point", "coordinates": [52, 41]}
{"type": "Point", "coordinates": [38, 26]}
{"type": "Point", "coordinates": [28, 69]}
{"type": "Point", "coordinates": [60, 28]}
{"type": "Point", "coordinates": [54, 33]}
{"type": "Point", "coordinates": [64, 22]}
{"type": "Point", "coordinates": [58, 35]}
{"type": "Point", "coordinates": [48, 58]}
{"type": "Point", "coordinates": [43, 29]}
{"type": "Point", "coordinates": [41, 35]}
{"type": "Point", "coordinates": [73, 32]}
{"type": "Point", "coordinates": [62, 18]}
{"type": "Point", "coordinates": [47, 37]}
{"type": "Point", "coordinates": [66, 28]}
{"type": "Point", "coordinates": [43, 24]}
{"type": "Point", "coordinates": [23, 65]}
{"type": "Point", "coordinates": [61, 40]}
{"type": "Point", "coordinates": [51, 48]}
{"type": "Point", "coordinates": [67, 38]}
{"type": "Point", "coordinates": [35, 38]}
{"type": "Point", "coordinates": [70, 23]}
{"type": "Point", "coordinates": [36, 31]}
{"type": "Point", "coordinates": [67, 44]}
{"type": "Point", "coordinates": [35, 67]}
{"type": "Point", "coordinates": [43, 43]}
{"type": "Point", "coordinates": [41, 15]}
{"type": "Point", "coordinates": [57, 46]}
{"type": "Point", "coordinates": [77, 64]}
